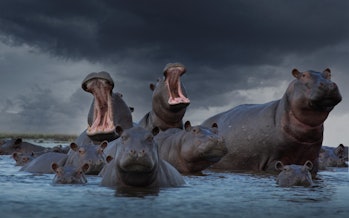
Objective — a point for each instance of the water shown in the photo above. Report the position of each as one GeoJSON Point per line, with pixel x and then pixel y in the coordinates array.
{"type": "Point", "coordinates": [212, 195]}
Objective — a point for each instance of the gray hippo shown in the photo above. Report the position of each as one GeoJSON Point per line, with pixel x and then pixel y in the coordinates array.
{"type": "Point", "coordinates": [22, 158]}
{"type": "Point", "coordinates": [69, 174]}
{"type": "Point", "coordinates": [294, 175]}
{"type": "Point", "coordinates": [289, 129]}
{"type": "Point", "coordinates": [42, 163]}
{"type": "Point", "coordinates": [18, 145]}
{"type": "Point", "coordinates": [192, 149]}
{"type": "Point", "coordinates": [90, 153]}
{"type": "Point", "coordinates": [169, 100]}
{"type": "Point", "coordinates": [107, 110]}
{"type": "Point", "coordinates": [332, 157]}
{"type": "Point", "coordinates": [136, 163]}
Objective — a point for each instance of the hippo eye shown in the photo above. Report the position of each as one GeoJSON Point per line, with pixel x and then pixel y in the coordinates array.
{"type": "Point", "coordinates": [81, 151]}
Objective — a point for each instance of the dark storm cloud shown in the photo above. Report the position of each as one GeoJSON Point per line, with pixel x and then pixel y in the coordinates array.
{"type": "Point", "coordinates": [200, 32]}
{"type": "Point", "coordinates": [226, 45]}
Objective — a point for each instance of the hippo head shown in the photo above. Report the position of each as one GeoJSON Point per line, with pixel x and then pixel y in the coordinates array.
{"type": "Point", "coordinates": [101, 123]}
{"type": "Point", "coordinates": [294, 175]}
{"type": "Point", "coordinates": [11, 146]}
{"type": "Point", "coordinates": [332, 157]}
{"type": "Point", "coordinates": [313, 92]}
{"type": "Point", "coordinates": [22, 158]}
{"type": "Point", "coordinates": [169, 95]}
{"type": "Point", "coordinates": [92, 155]}
{"type": "Point", "coordinates": [201, 147]}
{"type": "Point", "coordinates": [69, 174]}
{"type": "Point", "coordinates": [137, 156]}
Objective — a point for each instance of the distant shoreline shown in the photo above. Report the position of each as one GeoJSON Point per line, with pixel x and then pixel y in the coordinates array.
{"type": "Point", "coordinates": [59, 137]}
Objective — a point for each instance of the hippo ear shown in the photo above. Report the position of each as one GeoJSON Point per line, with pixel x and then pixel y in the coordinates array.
{"type": "Point", "coordinates": [296, 73]}
{"type": "Point", "coordinates": [327, 73]}
{"type": "Point", "coordinates": [187, 125]}
{"type": "Point", "coordinates": [339, 151]}
{"type": "Point", "coordinates": [132, 109]}
{"type": "Point", "coordinates": [155, 131]}
{"type": "Point", "coordinates": [74, 146]}
{"type": "Point", "coordinates": [54, 167]}
{"type": "Point", "coordinates": [85, 167]}
{"type": "Point", "coordinates": [308, 164]}
{"type": "Point", "coordinates": [119, 130]}
{"type": "Point", "coordinates": [152, 86]}
{"type": "Point", "coordinates": [279, 165]}
{"type": "Point", "coordinates": [109, 158]}
{"type": "Point", "coordinates": [15, 155]}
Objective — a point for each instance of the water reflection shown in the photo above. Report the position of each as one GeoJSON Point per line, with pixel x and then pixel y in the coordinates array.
{"type": "Point", "coordinates": [138, 192]}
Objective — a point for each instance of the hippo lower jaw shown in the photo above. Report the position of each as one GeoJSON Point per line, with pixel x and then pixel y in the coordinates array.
{"type": "Point", "coordinates": [102, 135]}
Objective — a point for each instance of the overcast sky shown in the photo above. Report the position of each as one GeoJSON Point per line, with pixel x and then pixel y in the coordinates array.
{"type": "Point", "coordinates": [235, 52]}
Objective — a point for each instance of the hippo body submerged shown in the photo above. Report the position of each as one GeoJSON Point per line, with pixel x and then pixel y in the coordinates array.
{"type": "Point", "coordinates": [192, 149]}
{"type": "Point", "coordinates": [136, 163]}
{"type": "Point", "coordinates": [289, 129]}
{"type": "Point", "coordinates": [169, 100]}
{"type": "Point", "coordinates": [18, 145]}
{"type": "Point", "coordinates": [332, 157]}
{"type": "Point", "coordinates": [42, 163]}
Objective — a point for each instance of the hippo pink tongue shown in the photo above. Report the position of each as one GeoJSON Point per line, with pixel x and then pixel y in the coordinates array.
{"type": "Point", "coordinates": [174, 88]}
{"type": "Point", "coordinates": [102, 113]}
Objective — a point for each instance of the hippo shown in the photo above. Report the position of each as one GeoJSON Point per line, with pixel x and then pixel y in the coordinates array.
{"type": "Point", "coordinates": [169, 100]}
{"type": "Point", "coordinates": [332, 157]}
{"type": "Point", "coordinates": [22, 158]}
{"type": "Point", "coordinates": [91, 154]}
{"type": "Point", "coordinates": [136, 162]}
{"type": "Point", "coordinates": [18, 145]}
{"type": "Point", "coordinates": [42, 164]}
{"type": "Point", "coordinates": [192, 149]}
{"type": "Point", "coordinates": [69, 174]}
{"type": "Point", "coordinates": [289, 129]}
{"type": "Point", "coordinates": [107, 110]}
{"type": "Point", "coordinates": [294, 175]}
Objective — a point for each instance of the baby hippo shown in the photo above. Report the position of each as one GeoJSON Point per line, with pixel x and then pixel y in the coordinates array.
{"type": "Point", "coordinates": [22, 158]}
{"type": "Point", "coordinates": [294, 175]}
{"type": "Point", "coordinates": [69, 174]}
{"type": "Point", "coordinates": [136, 162]}
{"type": "Point", "coordinates": [192, 149]}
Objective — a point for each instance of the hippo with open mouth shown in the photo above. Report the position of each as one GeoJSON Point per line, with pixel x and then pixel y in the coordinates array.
{"type": "Point", "coordinates": [289, 129]}
{"type": "Point", "coordinates": [107, 110]}
{"type": "Point", "coordinates": [169, 100]}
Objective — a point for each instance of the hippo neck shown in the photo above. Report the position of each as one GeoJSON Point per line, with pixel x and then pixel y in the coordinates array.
{"type": "Point", "coordinates": [294, 126]}
{"type": "Point", "coordinates": [167, 119]}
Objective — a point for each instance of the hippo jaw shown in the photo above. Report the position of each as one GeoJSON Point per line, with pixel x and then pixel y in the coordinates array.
{"type": "Point", "coordinates": [137, 174]}
{"type": "Point", "coordinates": [100, 85]}
{"type": "Point", "coordinates": [172, 74]}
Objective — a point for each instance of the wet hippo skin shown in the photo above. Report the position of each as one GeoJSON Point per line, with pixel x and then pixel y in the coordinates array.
{"type": "Point", "coordinates": [107, 110]}
{"type": "Point", "coordinates": [136, 162]}
{"type": "Point", "coordinates": [169, 100]}
{"type": "Point", "coordinates": [294, 175]}
{"type": "Point", "coordinates": [192, 149]}
{"type": "Point", "coordinates": [289, 129]}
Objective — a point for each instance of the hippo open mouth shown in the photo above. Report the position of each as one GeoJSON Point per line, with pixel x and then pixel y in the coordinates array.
{"type": "Point", "coordinates": [100, 85]}
{"type": "Point", "coordinates": [172, 73]}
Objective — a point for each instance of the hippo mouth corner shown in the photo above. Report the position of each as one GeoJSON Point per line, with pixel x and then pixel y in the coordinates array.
{"type": "Point", "coordinates": [173, 82]}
